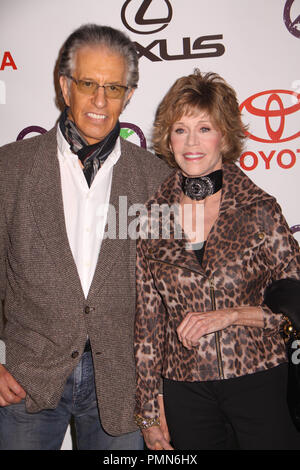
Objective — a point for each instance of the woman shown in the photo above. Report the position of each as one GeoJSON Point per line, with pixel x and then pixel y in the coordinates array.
{"type": "Point", "coordinates": [201, 324]}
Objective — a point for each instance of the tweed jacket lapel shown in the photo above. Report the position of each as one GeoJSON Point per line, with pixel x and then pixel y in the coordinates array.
{"type": "Point", "coordinates": [47, 206]}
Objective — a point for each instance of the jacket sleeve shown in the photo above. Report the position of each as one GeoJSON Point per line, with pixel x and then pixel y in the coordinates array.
{"type": "Point", "coordinates": [149, 338]}
{"type": "Point", "coordinates": [3, 247]}
{"type": "Point", "coordinates": [282, 253]}
{"type": "Point", "coordinates": [283, 296]}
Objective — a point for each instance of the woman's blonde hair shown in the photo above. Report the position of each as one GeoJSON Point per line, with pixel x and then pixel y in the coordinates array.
{"type": "Point", "coordinates": [200, 93]}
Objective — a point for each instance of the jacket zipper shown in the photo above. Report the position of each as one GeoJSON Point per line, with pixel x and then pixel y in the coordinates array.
{"type": "Point", "coordinates": [213, 303]}
{"type": "Point", "coordinates": [217, 333]}
{"type": "Point", "coordinates": [175, 265]}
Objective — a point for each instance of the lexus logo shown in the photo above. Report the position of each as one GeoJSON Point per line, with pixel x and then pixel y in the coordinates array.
{"type": "Point", "coordinates": [293, 25]}
{"type": "Point", "coordinates": [274, 107]}
{"type": "Point", "coordinates": [142, 17]}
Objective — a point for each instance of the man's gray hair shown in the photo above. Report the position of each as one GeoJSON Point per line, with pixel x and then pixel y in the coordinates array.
{"type": "Point", "coordinates": [97, 35]}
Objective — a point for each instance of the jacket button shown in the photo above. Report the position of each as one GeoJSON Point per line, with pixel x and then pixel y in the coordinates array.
{"type": "Point", "coordinates": [75, 354]}
{"type": "Point", "coordinates": [261, 235]}
{"type": "Point", "coordinates": [88, 309]}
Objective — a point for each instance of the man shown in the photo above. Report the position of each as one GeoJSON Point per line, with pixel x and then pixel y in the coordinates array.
{"type": "Point", "coordinates": [68, 291]}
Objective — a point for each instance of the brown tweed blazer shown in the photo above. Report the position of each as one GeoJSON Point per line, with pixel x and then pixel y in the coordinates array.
{"type": "Point", "coordinates": [45, 319]}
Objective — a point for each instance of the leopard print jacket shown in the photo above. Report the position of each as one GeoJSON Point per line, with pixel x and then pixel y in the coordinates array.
{"type": "Point", "coordinates": [249, 245]}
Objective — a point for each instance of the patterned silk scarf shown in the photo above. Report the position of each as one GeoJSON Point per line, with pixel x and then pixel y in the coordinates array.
{"type": "Point", "coordinates": [91, 156]}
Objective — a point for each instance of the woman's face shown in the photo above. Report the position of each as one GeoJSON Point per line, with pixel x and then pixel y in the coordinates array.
{"type": "Point", "coordinates": [196, 145]}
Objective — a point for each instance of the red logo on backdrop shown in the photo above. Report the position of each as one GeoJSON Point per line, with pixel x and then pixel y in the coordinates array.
{"type": "Point", "coordinates": [275, 107]}
{"type": "Point", "coordinates": [7, 61]}
{"type": "Point", "coordinates": [274, 118]}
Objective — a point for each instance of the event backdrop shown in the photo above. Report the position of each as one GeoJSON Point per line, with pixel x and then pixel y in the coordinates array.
{"type": "Point", "coordinates": [253, 44]}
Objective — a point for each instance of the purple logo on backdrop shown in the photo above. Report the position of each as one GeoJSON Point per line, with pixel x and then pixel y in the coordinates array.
{"type": "Point", "coordinates": [142, 24]}
{"type": "Point", "coordinates": [127, 130]}
{"type": "Point", "coordinates": [29, 130]}
{"type": "Point", "coordinates": [292, 25]}
{"type": "Point", "coordinates": [295, 228]}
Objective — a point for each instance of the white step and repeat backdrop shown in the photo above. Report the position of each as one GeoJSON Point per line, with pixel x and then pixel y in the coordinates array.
{"type": "Point", "coordinates": [253, 44]}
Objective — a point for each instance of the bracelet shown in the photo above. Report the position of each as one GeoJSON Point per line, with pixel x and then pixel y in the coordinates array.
{"type": "Point", "coordinates": [288, 330]}
{"type": "Point", "coordinates": [145, 423]}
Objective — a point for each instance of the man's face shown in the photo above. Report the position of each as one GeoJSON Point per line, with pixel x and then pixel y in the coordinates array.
{"type": "Point", "coordinates": [95, 115]}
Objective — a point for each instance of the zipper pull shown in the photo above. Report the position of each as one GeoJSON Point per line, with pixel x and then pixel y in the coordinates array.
{"type": "Point", "coordinates": [212, 293]}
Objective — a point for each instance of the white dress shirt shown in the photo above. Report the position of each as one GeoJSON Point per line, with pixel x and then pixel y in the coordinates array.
{"type": "Point", "coordinates": [85, 208]}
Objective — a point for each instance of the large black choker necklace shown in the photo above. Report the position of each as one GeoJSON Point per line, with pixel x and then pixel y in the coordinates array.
{"type": "Point", "coordinates": [203, 186]}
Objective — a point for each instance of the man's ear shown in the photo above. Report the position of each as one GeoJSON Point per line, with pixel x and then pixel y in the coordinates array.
{"type": "Point", "coordinates": [128, 97]}
{"type": "Point", "coordinates": [63, 81]}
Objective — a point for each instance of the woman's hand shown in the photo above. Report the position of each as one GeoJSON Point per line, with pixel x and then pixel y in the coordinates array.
{"type": "Point", "coordinates": [155, 440]}
{"type": "Point", "coordinates": [197, 324]}
{"type": "Point", "coordinates": [158, 437]}
{"type": "Point", "coordinates": [162, 419]}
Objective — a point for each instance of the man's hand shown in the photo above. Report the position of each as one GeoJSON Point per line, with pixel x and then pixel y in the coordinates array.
{"type": "Point", "coordinates": [10, 391]}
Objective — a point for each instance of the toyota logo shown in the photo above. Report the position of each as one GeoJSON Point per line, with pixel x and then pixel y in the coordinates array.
{"type": "Point", "coordinates": [135, 16]}
{"type": "Point", "coordinates": [273, 106]}
{"type": "Point", "coordinates": [292, 25]}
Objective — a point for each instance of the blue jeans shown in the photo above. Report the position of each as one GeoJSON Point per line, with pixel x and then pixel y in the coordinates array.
{"type": "Point", "coordinates": [46, 429]}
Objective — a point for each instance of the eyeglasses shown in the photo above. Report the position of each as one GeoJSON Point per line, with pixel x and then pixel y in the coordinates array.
{"type": "Point", "coordinates": [88, 87]}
